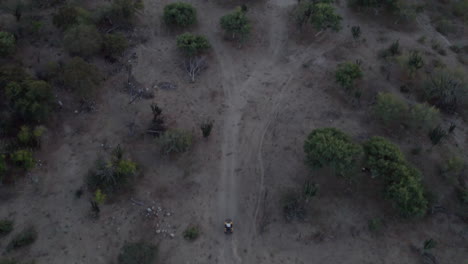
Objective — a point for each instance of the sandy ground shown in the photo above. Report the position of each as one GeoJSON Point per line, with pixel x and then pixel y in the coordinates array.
{"type": "Point", "coordinates": [264, 99]}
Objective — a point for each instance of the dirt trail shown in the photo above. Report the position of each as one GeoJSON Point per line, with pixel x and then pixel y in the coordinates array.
{"type": "Point", "coordinates": [238, 93]}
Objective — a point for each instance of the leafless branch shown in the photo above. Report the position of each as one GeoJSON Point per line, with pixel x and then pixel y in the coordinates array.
{"type": "Point", "coordinates": [194, 65]}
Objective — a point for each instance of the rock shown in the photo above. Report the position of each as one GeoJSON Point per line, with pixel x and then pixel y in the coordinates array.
{"type": "Point", "coordinates": [149, 210]}
{"type": "Point", "coordinates": [168, 214]}
{"type": "Point", "coordinates": [76, 111]}
{"type": "Point", "coordinates": [158, 231]}
{"type": "Point", "coordinates": [172, 235]}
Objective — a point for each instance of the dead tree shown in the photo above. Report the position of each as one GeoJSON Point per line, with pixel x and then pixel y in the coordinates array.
{"type": "Point", "coordinates": [157, 126]}
{"type": "Point", "coordinates": [194, 65]}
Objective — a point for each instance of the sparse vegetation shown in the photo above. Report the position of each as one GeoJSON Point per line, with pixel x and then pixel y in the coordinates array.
{"type": "Point", "coordinates": [423, 116]}
{"type": "Point", "coordinates": [206, 128]}
{"type": "Point", "coordinates": [329, 147]}
{"type": "Point", "coordinates": [6, 226]}
{"type": "Point", "coordinates": [137, 253]}
{"type": "Point", "coordinates": [446, 91]}
{"type": "Point", "coordinates": [7, 44]}
{"type": "Point", "coordinates": [81, 77]}
{"type": "Point", "coordinates": [69, 16]}
{"type": "Point", "coordinates": [109, 176]}
{"type": "Point", "coordinates": [321, 14]}
{"type": "Point", "coordinates": [23, 159]}
{"type": "Point", "coordinates": [390, 109]}
{"type": "Point", "coordinates": [293, 205]}
{"type": "Point", "coordinates": [180, 14]}
{"type": "Point", "coordinates": [191, 233]}
{"type": "Point", "coordinates": [356, 32]}
{"type": "Point", "coordinates": [175, 141]}
{"type": "Point", "coordinates": [114, 45]}
{"type": "Point", "coordinates": [82, 40]}
{"type": "Point", "coordinates": [24, 238]}
{"type": "Point", "coordinates": [375, 224]}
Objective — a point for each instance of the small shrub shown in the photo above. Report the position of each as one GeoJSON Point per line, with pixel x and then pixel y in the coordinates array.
{"type": "Point", "coordinates": [81, 77]}
{"type": "Point", "coordinates": [452, 167]}
{"type": "Point", "coordinates": [123, 11]}
{"type": "Point", "coordinates": [445, 26]}
{"type": "Point", "coordinates": [83, 40]}
{"type": "Point", "coordinates": [390, 109]}
{"type": "Point", "coordinates": [414, 62]}
{"type": "Point", "coordinates": [69, 16]}
{"type": "Point", "coordinates": [192, 45]}
{"type": "Point", "coordinates": [293, 205]}
{"type": "Point", "coordinates": [324, 17]}
{"type": "Point", "coordinates": [423, 116]}
{"type": "Point", "coordinates": [175, 141]}
{"type": "Point", "coordinates": [6, 226]}
{"type": "Point", "coordinates": [7, 44]}
{"type": "Point", "coordinates": [114, 45]}
{"type": "Point", "coordinates": [236, 24]}
{"type": "Point", "coordinates": [110, 176]}
{"type": "Point", "coordinates": [347, 73]}
{"type": "Point", "coordinates": [329, 147]}
{"type": "Point", "coordinates": [460, 9]}
{"type": "Point", "coordinates": [191, 233]}
{"type": "Point", "coordinates": [356, 32]}
{"type": "Point", "coordinates": [99, 197]}
{"type": "Point", "coordinates": [446, 91]}
{"type": "Point", "coordinates": [157, 127]}
{"type": "Point", "coordinates": [463, 195]}
{"type": "Point", "coordinates": [8, 261]}
{"type": "Point", "coordinates": [303, 12]}
{"type": "Point", "coordinates": [137, 253]}
{"type": "Point", "coordinates": [309, 189]}
{"type": "Point", "coordinates": [22, 239]}
{"type": "Point", "coordinates": [23, 159]}
{"type": "Point", "coordinates": [436, 135]}
{"type": "Point", "coordinates": [10, 74]}
{"type": "Point", "coordinates": [393, 50]}
{"type": "Point", "coordinates": [180, 14]}
{"type": "Point", "coordinates": [31, 138]}
{"type": "Point", "coordinates": [3, 167]}
{"type": "Point", "coordinates": [375, 224]}
{"type": "Point", "coordinates": [206, 128]}
{"type": "Point", "coordinates": [429, 244]}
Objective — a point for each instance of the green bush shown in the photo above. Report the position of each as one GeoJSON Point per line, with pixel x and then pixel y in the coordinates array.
{"type": "Point", "coordinates": [381, 156]}
{"type": "Point", "coordinates": [423, 116]}
{"type": "Point", "coordinates": [347, 73]}
{"type": "Point", "coordinates": [137, 253]}
{"type": "Point", "coordinates": [460, 9]}
{"type": "Point", "coordinates": [302, 12]}
{"type": "Point", "coordinates": [175, 141]}
{"type": "Point", "coordinates": [324, 17]}
{"type": "Point", "coordinates": [12, 74]}
{"type": "Point", "coordinates": [123, 11]}
{"type": "Point", "coordinates": [69, 16]}
{"type": "Point", "coordinates": [414, 62]}
{"type": "Point", "coordinates": [23, 159]}
{"type": "Point", "coordinates": [81, 77]}
{"type": "Point", "coordinates": [390, 109]}
{"type": "Point", "coordinates": [236, 24]}
{"type": "Point", "coordinates": [191, 233]}
{"type": "Point", "coordinates": [22, 239]}
{"type": "Point", "coordinates": [452, 167]}
{"type": "Point", "coordinates": [30, 138]}
{"type": "Point", "coordinates": [7, 44]}
{"type": "Point", "coordinates": [446, 91]}
{"type": "Point", "coordinates": [6, 226]}
{"type": "Point", "coordinates": [407, 192]}
{"type": "Point", "coordinates": [192, 45]}
{"type": "Point", "coordinates": [180, 14]}
{"type": "Point", "coordinates": [110, 176]}
{"type": "Point", "coordinates": [32, 100]}
{"type": "Point", "coordinates": [83, 40]}
{"type": "Point", "coordinates": [329, 147]}
{"type": "Point", "coordinates": [374, 224]}
{"type": "Point", "coordinates": [114, 45]}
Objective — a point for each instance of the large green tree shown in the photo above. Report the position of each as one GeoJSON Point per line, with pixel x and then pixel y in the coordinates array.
{"type": "Point", "coordinates": [236, 24]}
{"type": "Point", "coordinates": [180, 14]}
{"type": "Point", "coordinates": [191, 44]}
{"type": "Point", "coordinates": [81, 77]}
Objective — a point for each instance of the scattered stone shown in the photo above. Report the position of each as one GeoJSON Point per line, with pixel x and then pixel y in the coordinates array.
{"type": "Point", "coordinates": [172, 235]}
{"type": "Point", "coordinates": [149, 210]}
{"type": "Point", "coordinates": [158, 231]}
{"type": "Point", "coordinates": [166, 86]}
